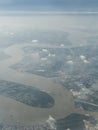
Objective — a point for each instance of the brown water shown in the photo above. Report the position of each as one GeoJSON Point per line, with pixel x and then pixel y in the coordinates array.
{"type": "Point", "coordinates": [22, 113]}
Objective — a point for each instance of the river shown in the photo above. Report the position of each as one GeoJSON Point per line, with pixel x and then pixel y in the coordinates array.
{"type": "Point", "coordinates": [22, 113]}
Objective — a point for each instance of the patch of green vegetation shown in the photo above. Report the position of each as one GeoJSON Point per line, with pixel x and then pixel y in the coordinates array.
{"type": "Point", "coordinates": [74, 122]}
{"type": "Point", "coordinates": [26, 94]}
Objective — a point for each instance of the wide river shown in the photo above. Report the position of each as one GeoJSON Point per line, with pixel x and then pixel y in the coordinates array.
{"type": "Point", "coordinates": [12, 111]}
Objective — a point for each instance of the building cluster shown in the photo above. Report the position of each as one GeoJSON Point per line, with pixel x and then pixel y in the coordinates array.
{"type": "Point", "coordinates": [33, 127]}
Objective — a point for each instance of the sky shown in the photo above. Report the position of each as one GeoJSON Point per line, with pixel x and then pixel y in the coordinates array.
{"type": "Point", "coordinates": [38, 5]}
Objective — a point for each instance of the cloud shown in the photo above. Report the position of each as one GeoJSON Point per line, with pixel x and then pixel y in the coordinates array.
{"type": "Point", "coordinates": [34, 41]}
{"type": "Point", "coordinates": [51, 55]}
{"type": "Point", "coordinates": [82, 57]}
{"type": "Point", "coordinates": [51, 122]}
{"type": "Point", "coordinates": [62, 45]}
{"type": "Point", "coordinates": [86, 61]}
{"type": "Point", "coordinates": [70, 62]}
{"type": "Point", "coordinates": [44, 50]}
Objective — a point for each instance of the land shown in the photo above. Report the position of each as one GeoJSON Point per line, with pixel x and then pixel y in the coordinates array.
{"type": "Point", "coordinates": [56, 62]}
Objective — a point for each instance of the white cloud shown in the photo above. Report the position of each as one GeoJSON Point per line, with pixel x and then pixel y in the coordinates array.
{"type": "Point", "coordinates": [44, 50]}
{"type": "Point", "coordinates": [68, 128]}
{"type": "Point", "coordinates": [34, 41]}
{"type": "Point", "coordinates": [51, 122]}
{"type": "Point", "coordinates": [75, 93]}
{"type": "Point", "coordinates": [51, 55]}
{"type": "Point", "coordinates": [82, 57]}
{"type": "Point", "coordinates": [86, 61]}
{"type": "Point", "coordinates": [62, 45]}
{"type": "Point", "coordinates": [70, 62]}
